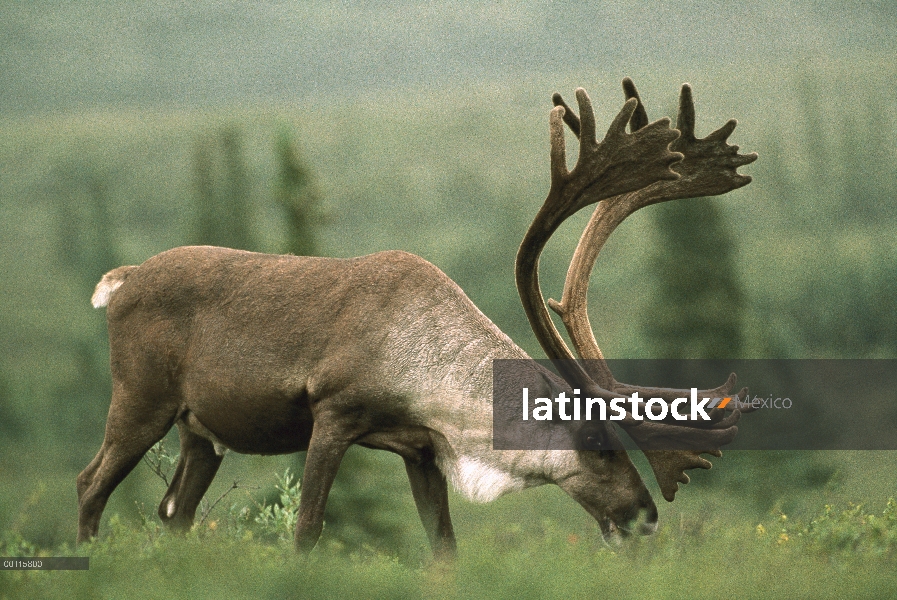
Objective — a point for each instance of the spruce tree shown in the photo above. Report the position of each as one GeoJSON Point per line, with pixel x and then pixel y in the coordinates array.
{"type": "Point", "coordinates": [297, 196]}
{"type": "Point", "coordinates": [696, 309]}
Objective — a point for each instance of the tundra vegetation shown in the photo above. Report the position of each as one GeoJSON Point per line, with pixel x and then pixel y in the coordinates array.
{"type": "Point", "coordinates": [811, 243]}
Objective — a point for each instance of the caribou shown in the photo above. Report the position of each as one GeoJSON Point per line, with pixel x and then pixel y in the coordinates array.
{"type": "Point", "coordinates": [271, 354]}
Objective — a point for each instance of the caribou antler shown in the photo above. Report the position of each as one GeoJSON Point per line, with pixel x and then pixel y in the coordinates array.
{"type": "Point", "coordinates": [619, 164]}
{"type": "Point", "coordinates": [708, 168]}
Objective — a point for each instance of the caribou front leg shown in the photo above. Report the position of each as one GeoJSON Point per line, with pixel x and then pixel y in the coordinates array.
{"type": "Point", "coordinates": [430, 491]}
{"type": "Point", "coordinates": [328, 444]}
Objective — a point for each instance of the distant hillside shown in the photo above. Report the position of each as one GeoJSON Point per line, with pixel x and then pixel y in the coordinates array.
{"type": "Point", "coordinates": [76, 55]}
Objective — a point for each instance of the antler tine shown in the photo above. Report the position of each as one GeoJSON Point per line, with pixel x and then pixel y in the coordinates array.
{"type": "Point", "coordinates": [669, 468]}
{"type": "Point", "coordinates": [719, 417]}
{"type": "Point", "coordinates": [711, 165]}
{"type": "Point", "coordinates": [640, 116]}
{"type": "Point", "coordinates": [570, 117]}
{"type": "Point", "coordinates": [673, 449]}
{"type": "Point", "coordinates": [620, 163]}
{"type": "Point", "coordinates": [638, 120]}
{"type": "Point", "coordinates": [670, 394]}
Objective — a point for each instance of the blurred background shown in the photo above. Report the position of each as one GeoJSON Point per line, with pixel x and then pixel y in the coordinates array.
{"type": "Point", "coordinates": [341, 129]}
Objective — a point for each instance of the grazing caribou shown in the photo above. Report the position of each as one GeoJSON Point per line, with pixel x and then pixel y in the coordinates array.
{"type": "Point", "coordinates": [269, 354]}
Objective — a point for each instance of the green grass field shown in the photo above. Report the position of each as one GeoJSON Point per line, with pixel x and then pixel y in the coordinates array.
{"type": "Point", "coordinates": [838, 552]}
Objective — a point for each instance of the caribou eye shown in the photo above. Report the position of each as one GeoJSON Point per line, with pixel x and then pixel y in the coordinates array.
{"type": "Point", "coordinates": [597, 441]}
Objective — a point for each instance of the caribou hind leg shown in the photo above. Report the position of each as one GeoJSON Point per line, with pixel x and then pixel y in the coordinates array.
{"type": "Point", "coordinates": [129, 435]}
{"type": "Point", "coordinates": [195, 471]}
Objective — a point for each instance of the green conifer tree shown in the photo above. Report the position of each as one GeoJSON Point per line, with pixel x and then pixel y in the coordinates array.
{"type": "Point", "coordinates": [222, 187]}
{"type": "Point", "coordinates": [696, 309]}
{"type": "Point", "coordinates": [297, 196]}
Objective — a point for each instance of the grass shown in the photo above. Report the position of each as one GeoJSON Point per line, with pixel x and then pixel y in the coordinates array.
{"type": "Point", "coordinates": [531, 544]}
{"type": "Point", "coordinates": [837, 553]}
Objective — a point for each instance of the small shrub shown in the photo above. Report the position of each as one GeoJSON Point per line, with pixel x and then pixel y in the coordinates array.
{"type": "Point", "coordinates": [279, 519]}
{"type": "Point", "coordinates": [12, 544]}
{"type": "Point", "coordinates": [161, 461]}
{"type": "Point", "coordinates": [850, 531]}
